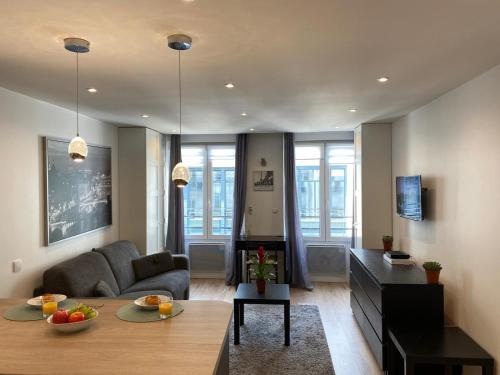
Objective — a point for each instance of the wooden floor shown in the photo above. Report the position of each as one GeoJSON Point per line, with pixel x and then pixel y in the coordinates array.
{"type": "Point", "coordinates": [350, 353]}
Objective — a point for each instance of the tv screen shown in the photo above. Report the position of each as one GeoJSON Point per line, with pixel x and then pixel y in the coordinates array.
{"type": "Point", "coordinates": [409, 197]}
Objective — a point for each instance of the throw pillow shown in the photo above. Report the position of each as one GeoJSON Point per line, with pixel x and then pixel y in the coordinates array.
{"type": "Point", "coordinates": [102, 289]}
{"type": "Point", "coordinates": [152, 265]}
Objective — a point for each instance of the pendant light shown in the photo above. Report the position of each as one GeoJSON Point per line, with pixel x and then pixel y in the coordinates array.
{"type": "Point", "coordinates": [180, 173]}
{"type": "Point", "coordinates": [77, 148]}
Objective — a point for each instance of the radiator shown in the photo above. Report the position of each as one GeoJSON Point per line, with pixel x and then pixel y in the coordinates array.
{"type": "Point", "coordinates": [207, 259]}
{"type": "Point", "coordinates": [327, 262]}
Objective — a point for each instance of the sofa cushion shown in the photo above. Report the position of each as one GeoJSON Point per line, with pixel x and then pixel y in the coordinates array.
{"type": "Point", "coordinates": [143, 293]}
{"type": "Point", "coordinates": [153, 265]}
{"type": "Point", "coordinates": [120, 255]}
{"type": "Point", "coordinates": [102, 289]}
{"type": "Point", "coordinates": [181, 261]}
{"type": "Point", "coordinates": [77, 277]}
{"type": "Point", "coordinates": [175, 282]}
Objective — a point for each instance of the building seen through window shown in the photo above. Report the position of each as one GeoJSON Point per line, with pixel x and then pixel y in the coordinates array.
{"type": "Point", "coordinates": [208, 198]}
{"type": "Point", "coordinates": [325, 173]}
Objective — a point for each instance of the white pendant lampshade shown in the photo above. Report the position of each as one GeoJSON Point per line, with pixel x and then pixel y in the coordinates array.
{"type": "Point", "coordinates": [78, 149]}
{"type": "Point", "coordinates": [181, 175]}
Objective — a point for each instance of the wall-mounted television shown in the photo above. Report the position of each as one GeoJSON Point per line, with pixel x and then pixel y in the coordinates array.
{"type": "Point", "coordinates": [410, 197]}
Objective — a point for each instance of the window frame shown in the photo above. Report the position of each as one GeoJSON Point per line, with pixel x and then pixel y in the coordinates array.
{"type": "Point", "coordinates": [207, 191]}
{"type": "Point", "coordinates": [325, 235]}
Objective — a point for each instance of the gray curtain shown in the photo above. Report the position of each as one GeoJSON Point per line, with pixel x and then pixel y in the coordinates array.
{"type": "Point", "coordinates": [298, 274]}
{"type": "Point", "coordinates": [175, 231]}
{"type": "Point", "coordinates": [239, 198]}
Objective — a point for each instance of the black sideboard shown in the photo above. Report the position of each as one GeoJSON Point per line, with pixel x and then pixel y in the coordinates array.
{"type": "Point", "coordinates": [383, 295]}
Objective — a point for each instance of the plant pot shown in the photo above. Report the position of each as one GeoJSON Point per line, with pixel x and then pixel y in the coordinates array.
{"type": "Point", "coordinates": [432, 276]}
{"type": "Point", "coordinates": [387, 246]}
{"type": "Point", "coordinates": [261, 286]}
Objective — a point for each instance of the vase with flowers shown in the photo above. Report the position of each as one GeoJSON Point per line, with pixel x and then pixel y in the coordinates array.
{"type": "Point", "coordinates": [260, 266]}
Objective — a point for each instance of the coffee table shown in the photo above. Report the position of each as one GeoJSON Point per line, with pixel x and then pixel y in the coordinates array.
{"type": "Point", "coordinates": [276, 294]}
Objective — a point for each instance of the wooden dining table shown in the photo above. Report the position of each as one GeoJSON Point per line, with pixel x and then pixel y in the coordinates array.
{"type": "Point", "coordinates": [194, 342]}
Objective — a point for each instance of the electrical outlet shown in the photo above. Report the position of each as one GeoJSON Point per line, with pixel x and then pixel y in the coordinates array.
{"type": "Point", "coordinates": [250, 210]}
{"type": "Point", "coordinates": [275, 210]}
{"type": "Point", "coordinates": [17, 265]}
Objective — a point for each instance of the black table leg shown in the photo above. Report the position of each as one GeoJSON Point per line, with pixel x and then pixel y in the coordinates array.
{"type": "Point", "coordinates": [236, 316]}
{"type": "Point", "coordinates": [487, 369]}
{"type": "Point", "coordinates": [409, 367]}
{"type": "Point", "coordinates": [238, 268]}
{"type": "Point", "coordinates": [287, 324]}
{"type": "Point", "coordinates": [242, 314]}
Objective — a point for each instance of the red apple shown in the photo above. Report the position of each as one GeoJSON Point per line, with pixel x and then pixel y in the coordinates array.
{"type": "Point", "coordinates": [60, 317]}
{"type": "Point", "coordinates": [77, 316]}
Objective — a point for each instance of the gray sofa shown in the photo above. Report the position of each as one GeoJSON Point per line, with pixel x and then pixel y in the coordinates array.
{"type": "Point", "coordinates": [112, 267]}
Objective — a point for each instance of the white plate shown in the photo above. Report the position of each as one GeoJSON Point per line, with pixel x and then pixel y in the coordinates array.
{"type": "Point", "coordinates": [141, 302]}
{"type": "Point", "coordinates": [37, 301]}
{"type": "Point", "coordinates": [72, 327]}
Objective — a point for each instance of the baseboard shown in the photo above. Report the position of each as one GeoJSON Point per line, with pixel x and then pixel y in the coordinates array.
{"type": "Point", "coordinates": [208, 275]}
{"type": "Point", "coordinates": [327, 279]}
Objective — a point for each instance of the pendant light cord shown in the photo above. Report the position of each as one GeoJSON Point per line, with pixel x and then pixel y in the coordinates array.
{"type": "Point", "coordinates": [77, 89]}
{"type": "Point", "coordinates": [180, 98]}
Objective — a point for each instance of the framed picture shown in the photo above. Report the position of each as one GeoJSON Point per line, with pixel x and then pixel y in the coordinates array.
{"type": "Point", "coordinates": [263, 180]}
{"type": "Point", "coordinates": [77, 195]}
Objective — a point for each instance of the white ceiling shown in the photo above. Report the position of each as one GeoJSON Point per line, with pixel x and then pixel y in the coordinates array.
{"type": "Point", "coordinates": [298, 65]}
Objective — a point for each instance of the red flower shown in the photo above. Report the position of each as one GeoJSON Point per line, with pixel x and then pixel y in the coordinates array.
{"type": "Point", "coordinates": [261, 254]}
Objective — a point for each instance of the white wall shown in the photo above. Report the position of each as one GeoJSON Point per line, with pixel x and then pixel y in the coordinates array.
{"type": "Point", "coordinates": [374, 153]}
{"type": "Point", "coordinates": [262, 220]}
{"type": "Point", "coordinates": [453, 143]}
{"type": "Point", "coordinates": [23, 122]}
{"type": "Point", "coordinates": [132, 180]}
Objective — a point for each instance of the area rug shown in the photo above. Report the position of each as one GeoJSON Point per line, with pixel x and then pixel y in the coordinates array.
{"type": "Point", "coordinates": [262, 350]}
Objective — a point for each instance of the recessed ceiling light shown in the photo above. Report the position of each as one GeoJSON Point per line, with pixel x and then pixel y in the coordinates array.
{"type": "Point", "coordinates": [252, 129]}
{"type": "Point", "coordinates": [92, 90]}
{"type": "Point", "coordinates": [337, 127]}
{"type": "Point", "coordinates": [383, 79]}
{"type": "Point", "coordinates": [229, 85]}
{"type": "Point", "coordinates": [243, 113]}
{"type": "Point", "coordinates": [144, 116]}
{"type": "Point", "coordinates": [352, 110]}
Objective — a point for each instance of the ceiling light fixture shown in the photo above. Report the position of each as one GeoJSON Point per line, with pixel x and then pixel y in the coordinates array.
{"type": "Point", "coordinates": [92, 90]}
{"type": "Point", "coordinates": [144, 116]}
{"type": "Point", "coordinates": [352, 110]}
{"type": "Point", "coordinates": [77, 148]}
{"type": "Point", "coordinates": [383, 79]}
{"type": "Point", "coordinates": [180, 173]}
{"type": "Point", "coordinates": [252, 129]}
{"type": "Point", "coordinates": [243, 113]}
{"type": "Point", "coordinates": [229, 85]}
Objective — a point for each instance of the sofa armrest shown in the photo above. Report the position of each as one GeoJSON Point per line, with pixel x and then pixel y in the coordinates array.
{"type": "Point", "coordinates": [38, 291]}
{"type": "Point", "coordinates": [181, 261]}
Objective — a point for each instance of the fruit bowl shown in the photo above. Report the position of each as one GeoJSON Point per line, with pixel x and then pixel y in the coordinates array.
{"type": "Point", "coordinates": [72, 327]}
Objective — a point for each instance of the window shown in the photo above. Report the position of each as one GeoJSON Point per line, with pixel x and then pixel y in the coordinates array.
{"type": "Point", "coordinates": [208, 198]}
{"type": "Point", "coordinates": [324, 173]}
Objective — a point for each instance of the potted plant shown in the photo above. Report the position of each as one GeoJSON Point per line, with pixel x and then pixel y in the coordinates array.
{"type": "Point", "coordinates": [387, 240]}
{"type": "Point", "coordinates": [260, 269]}
{"type": "Point", "coordinates": [432, 270]}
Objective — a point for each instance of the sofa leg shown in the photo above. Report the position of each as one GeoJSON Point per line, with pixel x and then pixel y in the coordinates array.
{"type": "Point", "coordinates": [186, 294]}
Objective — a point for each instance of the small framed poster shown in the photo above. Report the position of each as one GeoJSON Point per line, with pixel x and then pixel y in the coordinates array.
{"type": "Point", "coordinates": [263, 180]}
